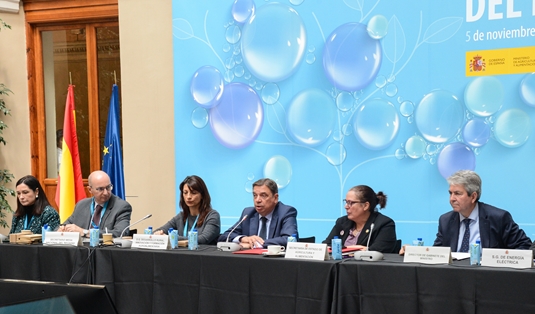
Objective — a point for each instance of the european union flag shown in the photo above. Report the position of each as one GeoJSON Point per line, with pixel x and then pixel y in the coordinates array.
{"type": "Point", "coordinates": [112, 156]}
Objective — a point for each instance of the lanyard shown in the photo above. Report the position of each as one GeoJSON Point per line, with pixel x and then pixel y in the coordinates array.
{"type": "Point", "coordinates": [192, 227]}
{"type": "Point", "coordinates": [26, 222]}
{"type": "Point", "coordinates": [93, 211]}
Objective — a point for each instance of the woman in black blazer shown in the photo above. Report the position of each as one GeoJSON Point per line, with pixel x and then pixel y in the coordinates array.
{"type": "Point", "coordinates": [355, 228]}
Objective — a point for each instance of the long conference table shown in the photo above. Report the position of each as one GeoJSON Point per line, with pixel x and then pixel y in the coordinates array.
{"type": "Point", "coordinates": [209, 281]}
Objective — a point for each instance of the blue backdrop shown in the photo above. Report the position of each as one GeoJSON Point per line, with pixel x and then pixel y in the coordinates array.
{"type": "Point", "coordinates": [325, 95]}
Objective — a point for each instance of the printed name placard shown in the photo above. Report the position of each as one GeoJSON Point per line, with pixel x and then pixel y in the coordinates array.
{"type": "Point", "coordinates": [427, 254]}
{"type": "Point", "coordinates": [151, 242]}
{"type": "Point", "coordinates": [505, 258]}
{"type": "Point", "coordinates": [310, 251]}
{"type": "Point", "coordinates": [63, 238]}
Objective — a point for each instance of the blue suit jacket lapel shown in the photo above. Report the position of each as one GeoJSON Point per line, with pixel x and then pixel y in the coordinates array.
{"type": "Point", "coordinates": [455, 230]}
{"type": "Point", "coordinates": [484, 227]}
{"type": "Point", "coordinates": [253, 226]}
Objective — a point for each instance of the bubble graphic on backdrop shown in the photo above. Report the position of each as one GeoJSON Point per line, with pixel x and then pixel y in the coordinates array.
{"type": "Point", "coordinates": [273, 42]}
{"type": "Point", "coordinates": [207, 86]}
{"type": "Point", "coordinates": [512, 128]}
{"type": "Point", "coordinates": [199, 117]}
{"type": "Point", "coordinates": [439, 116]}
{"type": "Point", "coordinates": [311, 117]}
{"type": "Point", "coordinates": [279, 169]}
{"type": "Point", "coordinates": [527, 89]}
{"type": "Point", "coordinates": [415, 147]}
{"type": "Point", "coordinates": [242, 10]}
{"type": "Point", "coordinates": [351, 58]}
{"type": "Point", "coordinates": [233, 34]}
{"type": "Point", "coordinates": [376, 124]}
{"type": "Point", "coordinates": [345, 101]}
{"type": "Point", "coordinates": [476, 132]}
{"type": "Point", "coordinates": [377, 27]}
{"type": "Point", "coordinates": [484, 96]}
{"type": "Point", "coordinates": [238, 119]}
{"type": "Point", "coordinates": [406, 108]}
{"type": "Point", "coordinates": [336, 154]}
{"type": "Point", "coordinates": [454, 157]}
{"type": "Point", "coordinates": [270, 93]}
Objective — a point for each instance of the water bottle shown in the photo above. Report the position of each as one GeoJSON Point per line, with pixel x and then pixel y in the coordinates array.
{"type": "Point", "coordinates": [292, 238]}
{"type": "Point", "coordinates": [46, 228]}
{"type": "Point", "coordinates": [93, 237]}
{"type": "Point", "coordinates": [173, 238]}
{"type": "Point", "coordinates": [475, 253]}
{"type": "Point", "coordinates": [336, 248]}
{"type": "Point", "coordinates": [418, 242]}
{"type": "Point", "coordinates": [192, 240]}
{"type": "Point", "coordinates": [148, 230]}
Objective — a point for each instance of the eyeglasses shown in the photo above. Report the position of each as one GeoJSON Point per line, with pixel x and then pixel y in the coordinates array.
{"type": "Point", "coordinates": [351, 203]}
{"type": "Point", "coordinates": [101, 189]}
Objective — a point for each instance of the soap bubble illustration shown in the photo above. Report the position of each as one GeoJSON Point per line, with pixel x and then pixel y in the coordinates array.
{"type": "Point", "coordinates": [527, 89]}
{"type": "Point", "coordinates": [351, 58]}
{"type": "Point", "coordinates": [476, 132]}
{"type": "Point", "coordinates": [311, 117]}
{"type": "Point", "coordinates": [512, 128]}
{"type": "Point", "coordinates": [439, 116]}
{"type": "Point", "coordinates": [454, 157]}
{"type": "Point", "coordinates": [238, 119]}
{"type": "Point", "coordinates": [377, 27]}
{"type": "Point", "coordinates": [279, 169]}
{"type": "Point", "coordinates": [207, 86]}
{"type": "Point", "coordinates": [242, 10]}
{"type": "Point", "coordinates": [484, 96]}
{"type": "Point", "coordinates": [376, 124]}
{"type": "Point", "coordinates": [415, 147]}
{"type": "Point", "coordinates": [273, 42]}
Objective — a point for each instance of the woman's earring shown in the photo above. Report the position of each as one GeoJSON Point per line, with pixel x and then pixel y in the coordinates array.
{"type": "Point", "coordinates": [37, 196]}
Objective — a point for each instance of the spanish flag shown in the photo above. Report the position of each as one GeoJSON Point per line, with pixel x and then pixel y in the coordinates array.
{"type": "Point", "coordinates": [70, 187]}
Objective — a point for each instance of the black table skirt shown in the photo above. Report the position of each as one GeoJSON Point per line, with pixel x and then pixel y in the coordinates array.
{"type": "Point", "coordinates": [208, 281]}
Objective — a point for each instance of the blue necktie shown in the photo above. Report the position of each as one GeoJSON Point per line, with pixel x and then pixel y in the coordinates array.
{"type": "Point", "coordinates": [466, 237]}
{"type": "Point", "coordinates": [263, 231]}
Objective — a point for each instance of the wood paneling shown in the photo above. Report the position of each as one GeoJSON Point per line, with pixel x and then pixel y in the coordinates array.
{"type": "Point", "coordinates": [55, 15]}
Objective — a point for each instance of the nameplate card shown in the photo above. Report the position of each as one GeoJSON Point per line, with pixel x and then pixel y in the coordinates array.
{"type": "Point", "coordinates": [427, 254]}
{"type": "Point", "coordinates": [505, 258]}
{"type": "Point", "coordinates": [309, 251]}
{"type": "Point", "coordinates": [151, 242]}
{"type": "Point", "coordinates": [63, 238]}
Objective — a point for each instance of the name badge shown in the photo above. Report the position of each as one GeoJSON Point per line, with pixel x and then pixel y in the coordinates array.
{"type": "Point", "coordinates": [427, 254]}
{"type": "Point", "coordinates": [309, 251]}
{"type": "Point", "coordinates": [63, 238]}
{"type": "Point", "coordinates": [504, 258]}
{"type": "Point", "coordinates": [151, 242]}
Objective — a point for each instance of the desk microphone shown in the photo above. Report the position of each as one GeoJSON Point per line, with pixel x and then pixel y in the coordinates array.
{"type": "Point", "coordinates": [130, 225]}
{"type": "Point", "coordinates": [370, 236]}
{"type": "Point", "coordinates": [369, 255]}
{"type": "Point", "coordinates": [230, 246]}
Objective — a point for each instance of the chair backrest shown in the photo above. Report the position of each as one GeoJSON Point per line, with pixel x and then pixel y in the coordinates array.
{"type": "Point", "coordinates": [311, 239]}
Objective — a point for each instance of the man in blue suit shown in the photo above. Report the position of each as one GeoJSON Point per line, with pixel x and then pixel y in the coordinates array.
{"type": "Point", "coordinates": [268, 222]}
{"type": "Point", "coordinates": [493, 226]}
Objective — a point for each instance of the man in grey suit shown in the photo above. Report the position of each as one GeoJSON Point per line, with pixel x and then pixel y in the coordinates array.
{"type": "Point", "coordinates": [103, 210]}
{"type": "Point", "coordinates": [268, 222]}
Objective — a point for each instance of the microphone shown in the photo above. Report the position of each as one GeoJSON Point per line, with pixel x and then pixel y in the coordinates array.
{"type": "Point", "coordinates": [230, 246]}
{"type": "Point", "coordinates": [369, 255]}
{"type": "Point", "coordinates": [370, 236]}
{"type": "Point", "coordinates": [130, 225]}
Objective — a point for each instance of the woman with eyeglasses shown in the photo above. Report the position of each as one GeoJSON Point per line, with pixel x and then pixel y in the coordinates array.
{"type": "Point", "coordinates": [355, 229]}
{"type": "Point", "coordinates": [33, 209]}
{"type": "Point", "coordinates": [197, 213]}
